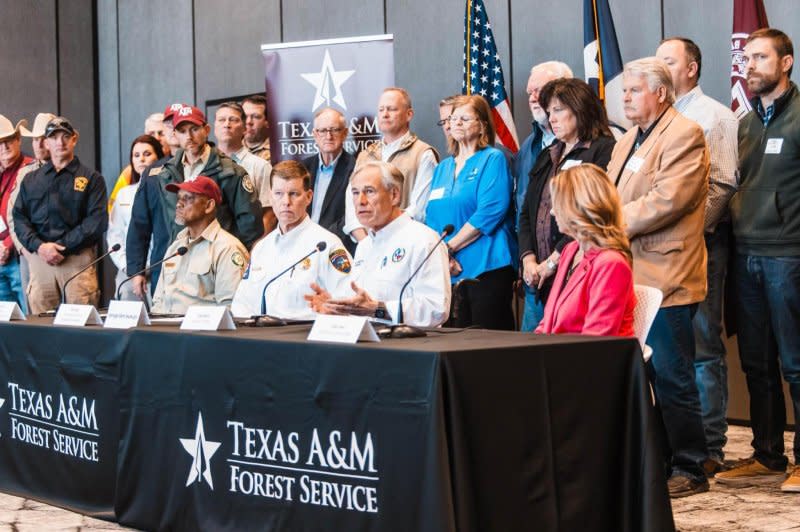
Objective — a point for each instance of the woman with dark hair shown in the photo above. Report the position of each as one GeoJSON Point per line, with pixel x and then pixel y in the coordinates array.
{"type": "Point", "coordinates": [472, 190]}
{"type": "Point", "coordinates": [145, 150]}
{"type": "Point", "coordinates": [579, 122]}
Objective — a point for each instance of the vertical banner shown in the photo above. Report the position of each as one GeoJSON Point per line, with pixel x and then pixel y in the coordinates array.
{"type": "Point", "coordinates": [304, 77]}
{"type": "Point", "coordinates": [748, 16]}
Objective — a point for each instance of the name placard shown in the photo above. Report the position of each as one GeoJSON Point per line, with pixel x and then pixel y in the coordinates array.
{"type": "Point", "coordinates": [77, 315]}
{"type": "Point", "coordinates": [9, 310]}
{"type": "Point", "coordinates": [208, 318]}
{"type": "Point", "coordinates": [126, 315]}
{"type": "Point", "coordinates": [342, 329]}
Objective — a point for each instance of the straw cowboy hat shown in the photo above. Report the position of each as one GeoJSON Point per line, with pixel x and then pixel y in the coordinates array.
{"type": "Point", "coordinates": [7, 130]}
{"type": "Point", "coordinates": [38, 125]}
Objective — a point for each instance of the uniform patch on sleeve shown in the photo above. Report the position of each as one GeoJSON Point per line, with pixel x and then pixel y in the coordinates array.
{"type": "Point", "coordinates": [340, 260]}
{"type": "Point", "coordinates": [247, 184]}
{"type": "Point", "coordinates": [80, 183]}
{"type": "Point", "coordinates": [247, 271]}
{"type": "Point", "coordinates": [238, 259]}
{"type": "Point", "coordinates": [155, 170]}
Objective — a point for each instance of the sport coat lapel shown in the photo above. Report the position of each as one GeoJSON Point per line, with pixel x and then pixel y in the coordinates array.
{"type": "Point", "coordinates": [647, 146]}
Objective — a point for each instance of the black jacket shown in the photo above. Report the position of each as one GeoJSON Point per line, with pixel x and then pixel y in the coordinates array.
{"type": "Point", "coordinates": [66, 207]}
{"type": "Point", "coordinates": [332, 214]}
{"type": "Point", "coordinates": [598, 152]}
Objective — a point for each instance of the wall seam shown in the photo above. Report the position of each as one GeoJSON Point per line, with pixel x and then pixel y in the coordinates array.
{"type": "Point", "coordinates": [58, 61]}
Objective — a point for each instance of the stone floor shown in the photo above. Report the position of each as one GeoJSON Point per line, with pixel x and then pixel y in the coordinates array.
{"type": "Point", "coordinates": [722, 509]}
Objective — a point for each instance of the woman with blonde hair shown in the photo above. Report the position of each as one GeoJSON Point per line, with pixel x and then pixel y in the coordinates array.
{"type": "Point", "coordinates": [593, 288]}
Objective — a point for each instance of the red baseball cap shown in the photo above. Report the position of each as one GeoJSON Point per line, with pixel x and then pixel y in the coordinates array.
{"type": "Point", "coordinates": [188, 113]}
{"type": "Point", "coordinates": [170, 110]}
{"type": "Point", "coordinates": [201, 185]}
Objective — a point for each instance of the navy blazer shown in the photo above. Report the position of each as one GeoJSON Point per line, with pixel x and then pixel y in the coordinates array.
{"type": "Point", "coordinates": [331, 216]}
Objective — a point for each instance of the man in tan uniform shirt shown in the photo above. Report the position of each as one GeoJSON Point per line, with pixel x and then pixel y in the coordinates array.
{"type": "Point", "coordinates": [209, 272]}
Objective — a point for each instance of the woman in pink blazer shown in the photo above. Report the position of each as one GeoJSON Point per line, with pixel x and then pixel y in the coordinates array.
{"type": "Point", "coordinates": [593, 289]}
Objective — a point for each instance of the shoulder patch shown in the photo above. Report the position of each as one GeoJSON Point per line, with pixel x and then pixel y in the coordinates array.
{"type": "Point", "coordinates": [80, 183]}
{"type": "Point", "coordinates": [237, 259]}
{"type": "Point", "coordinates": [247, 271]}
{"type": "Point", "coordinates": [247, 184]}
{"type": "Point", "coordinates": [155, 170]}
{"type": "Point", "coordinates": [340, 260]}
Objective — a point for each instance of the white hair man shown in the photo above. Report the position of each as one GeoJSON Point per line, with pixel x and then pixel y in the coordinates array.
{"type": "Point", "coordinates": [660, 167]}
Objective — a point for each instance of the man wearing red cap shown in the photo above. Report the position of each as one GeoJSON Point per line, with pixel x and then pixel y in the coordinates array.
{"type": "Point", "coordinates": [153, 214]}
{"type": "Point", "coordinates": [209, 272]}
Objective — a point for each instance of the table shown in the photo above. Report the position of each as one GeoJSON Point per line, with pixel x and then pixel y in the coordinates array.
{"type": "Point", "coordinates": [259, 429]}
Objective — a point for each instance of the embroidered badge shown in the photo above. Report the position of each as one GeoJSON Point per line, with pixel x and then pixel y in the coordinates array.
{"type": "Point", "coordinates": [237, 259]}
{"type": "Point", "coordinates": [80, 183]}
{"type": "Point", "coordinates": [398, 255]}
{"type": "Point", "coordinates": [340, 260]}
{"type": "Point", "coordinates": [247, 271]}
{"type": "Point", "coordinates": [155, 170]}
{"type": "Point", "coordinates": [306, 264]}
{"type": "Point", "coordinates": [247, 184]}
{"type": "Point", "coordinates": [169, 265]}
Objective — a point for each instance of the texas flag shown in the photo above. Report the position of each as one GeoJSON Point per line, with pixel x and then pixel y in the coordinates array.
{"type": "Point", "coordinates": [748, 16]}
{"type": "Point", "coordinates": [602, 61]}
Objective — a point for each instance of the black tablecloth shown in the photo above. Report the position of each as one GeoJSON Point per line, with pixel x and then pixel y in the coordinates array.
{"type": "Point", "coordinates": [475, 430]}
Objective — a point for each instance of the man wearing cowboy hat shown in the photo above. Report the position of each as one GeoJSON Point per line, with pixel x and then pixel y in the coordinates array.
{"type": "Point", "coordinates": [60, 216]}
{"type": "Point", "coordinates": [11, 160]}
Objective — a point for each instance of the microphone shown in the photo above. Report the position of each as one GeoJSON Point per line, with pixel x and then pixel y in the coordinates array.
{"type": "Point", "coordinates": [320, 247]}
{"type": "Point", "coordinates": [402, 330]}
{"type": "Point", "coordinates": [179, 252]}
{"type": "Point", "coordinates": [115, 247]}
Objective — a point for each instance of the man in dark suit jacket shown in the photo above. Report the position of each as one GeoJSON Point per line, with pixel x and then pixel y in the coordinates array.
{"type": "Point", "coordinates": [330, 173]}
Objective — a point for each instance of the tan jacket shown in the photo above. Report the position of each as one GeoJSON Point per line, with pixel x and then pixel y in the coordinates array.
{"type": "Point", "coordinates": [664, 203]}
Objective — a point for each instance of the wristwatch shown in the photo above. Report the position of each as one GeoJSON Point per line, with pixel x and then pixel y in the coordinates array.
{"type": "Point", "coordinates": [381, 313]}
{"type": "Point", "coordinates": [551, 265]}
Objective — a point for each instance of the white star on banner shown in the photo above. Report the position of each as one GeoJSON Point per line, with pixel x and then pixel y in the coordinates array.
{"type": "Point", "coordinates": [328, 83]}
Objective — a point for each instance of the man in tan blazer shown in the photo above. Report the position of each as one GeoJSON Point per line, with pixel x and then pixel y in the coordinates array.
{"type": "Point", "coordinates": [661, 170]}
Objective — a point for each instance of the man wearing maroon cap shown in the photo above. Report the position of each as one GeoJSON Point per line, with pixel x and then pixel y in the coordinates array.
{"type": "Point", "coordinates": [209, 272]}
{"type": "Point", "coordinates": [153, 212]}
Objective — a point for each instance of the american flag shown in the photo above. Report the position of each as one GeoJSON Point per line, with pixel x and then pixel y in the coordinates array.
{"type": "Point", "coordinates": [483, 73]}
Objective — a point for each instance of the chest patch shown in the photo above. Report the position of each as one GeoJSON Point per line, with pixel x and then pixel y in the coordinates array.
{"type": "Point", "coordinates": [79, 185]}
{"type": "Point", "coordinates": [339, 260]}
{"type": "Point", "coordinates": [398, 255]}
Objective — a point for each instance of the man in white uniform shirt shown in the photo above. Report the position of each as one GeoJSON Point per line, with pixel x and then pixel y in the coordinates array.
{"type": "Point", "coordinates": [394, 247]}
{"type": "Point", "coordinates": [295, 237]}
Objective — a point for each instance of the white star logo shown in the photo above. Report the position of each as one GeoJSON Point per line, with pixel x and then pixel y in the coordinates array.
{"type": "Point", "coordinates": [201, 451]}
{"type": "Point", "coordinates": [328, 83]}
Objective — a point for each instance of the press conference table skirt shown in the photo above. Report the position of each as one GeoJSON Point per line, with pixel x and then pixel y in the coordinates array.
{"type": "Point", "coordinates": [260, 429]}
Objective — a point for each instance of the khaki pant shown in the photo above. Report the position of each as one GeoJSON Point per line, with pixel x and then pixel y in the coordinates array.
{"type": "Point", "coordinates": [47, 282]}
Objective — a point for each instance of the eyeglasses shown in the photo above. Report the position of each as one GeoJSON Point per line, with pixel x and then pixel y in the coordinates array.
{"type": "Point", "coordinates": [329, 131]}
{"type": "Point", "coordinates": [464, 119]}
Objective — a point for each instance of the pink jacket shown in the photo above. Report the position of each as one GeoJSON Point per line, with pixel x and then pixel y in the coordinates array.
{"type": "Point", "coordinates": [597, 300]}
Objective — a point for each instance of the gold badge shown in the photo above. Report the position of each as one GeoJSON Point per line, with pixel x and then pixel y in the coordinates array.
{"type": "Point", "coordinates": [80, 183]}
{"type": "Point", "coordinates": [237, 259]}
{"type": "Point", "coordinates": [247, 184]}
{"type": "Point", "coordinates": [306, 264]}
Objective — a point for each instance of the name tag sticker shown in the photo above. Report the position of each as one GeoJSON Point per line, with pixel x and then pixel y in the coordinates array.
{"type": "Point", "coordinates": [569, 163]}
{"type": "Point", "coordinates": [437, 193]}
{"type": "Point", "coordinates": [634, 164]}
{"type": "Point", "coordinates": [773, 146]}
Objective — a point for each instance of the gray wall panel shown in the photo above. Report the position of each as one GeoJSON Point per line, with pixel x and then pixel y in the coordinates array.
{"type": "Point", "coordinates": [29, 67]}
{"type": "Point", "coordinates": [638, 25]}
{"type": "Point", "coordinates": [156, 61]}
{"type": "Point", "coordinates": [229, 63]}
{"type": "Point", "coordinates": [540, 34]}
{"type": "Point", "coordinates": [783, 14]}
{"type": "Point", "coordinates": [680, 19]}
{"type": "Point", "coordinates": [108, 72]}
{"type": "Point", "coordinates": [77, 73]}
{"type": "Point", "coordinates": [322, 19]}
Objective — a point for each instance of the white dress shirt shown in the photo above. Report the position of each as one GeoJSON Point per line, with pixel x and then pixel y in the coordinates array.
{"type": "Point", "coordinates": [285, 296]}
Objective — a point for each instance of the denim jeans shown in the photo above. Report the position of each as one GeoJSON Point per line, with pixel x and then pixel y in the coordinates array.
{"type": "Point", "coordinates": [672, 371]}
{"type": "Point", "coordinates": [11, 288]}
{"type": "Point", "coordinates": [710, 367]}
{"type": "Point", "coordinates": [768, 314]}
{"type": "Point", "coordinates": [534, 311]}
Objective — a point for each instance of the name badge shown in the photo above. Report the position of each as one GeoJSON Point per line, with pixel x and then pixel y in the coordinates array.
{"type": "Point", "coordinates": [773, 146]}
{"type": "Point", "coordinates": [634, 164]}
{"type": "Point", "coordinates": [569, 163]}
{"type": "Point", "coordinates": [437, 193]}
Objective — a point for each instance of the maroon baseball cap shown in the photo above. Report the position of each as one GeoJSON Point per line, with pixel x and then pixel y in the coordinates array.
{"type": "Point", "coordinates": [188, 113]}
{"type": "Point", "coordinates": [170, 110]}
{"type": "Point", "coordinates": [201, 185]}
